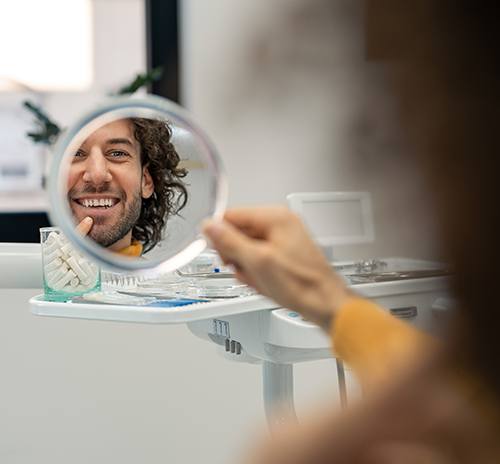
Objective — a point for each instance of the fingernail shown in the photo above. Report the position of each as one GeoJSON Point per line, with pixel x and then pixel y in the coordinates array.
{"type": "Point", "coordinates": [87, 220]}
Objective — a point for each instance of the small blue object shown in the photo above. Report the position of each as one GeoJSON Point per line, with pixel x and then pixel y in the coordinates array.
{"type": "Point", "coordinates": [216, 269]}
{"type": "Point", "coordinates": [293, 314]}
{"type": "Point", "coordinates": [174, 302]}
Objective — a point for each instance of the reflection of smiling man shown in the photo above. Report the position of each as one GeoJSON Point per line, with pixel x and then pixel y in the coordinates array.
{"type": "Point", "coordinates": [125, 176]}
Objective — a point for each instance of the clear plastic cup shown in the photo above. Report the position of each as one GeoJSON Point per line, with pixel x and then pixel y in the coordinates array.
{"type": "Point", "coordinates": [66, 273]}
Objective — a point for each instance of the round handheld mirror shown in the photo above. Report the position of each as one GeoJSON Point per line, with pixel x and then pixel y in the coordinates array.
{"type": "Point", "coordinates": [146, 175]}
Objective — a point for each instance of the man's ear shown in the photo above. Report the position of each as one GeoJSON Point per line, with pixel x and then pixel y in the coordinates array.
{"type": "Point", "coordinates": [148, 186]}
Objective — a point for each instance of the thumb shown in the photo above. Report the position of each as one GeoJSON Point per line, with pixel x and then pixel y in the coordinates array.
{"type": "Point", "coordinates": [233, 246]}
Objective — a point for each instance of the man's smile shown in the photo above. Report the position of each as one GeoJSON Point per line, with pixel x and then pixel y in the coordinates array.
{"type": "Point", "coordinates": [101, 207]}
{"type": "Point", "coordinates": [96, 202]}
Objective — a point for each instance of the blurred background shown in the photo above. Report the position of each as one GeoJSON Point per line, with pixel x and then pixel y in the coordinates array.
{"type": "Point", "coordinates": [286, 92]}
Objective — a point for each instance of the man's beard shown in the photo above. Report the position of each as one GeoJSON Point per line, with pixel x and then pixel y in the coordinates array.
{"type": "Point", "coordinates": [108, 235]}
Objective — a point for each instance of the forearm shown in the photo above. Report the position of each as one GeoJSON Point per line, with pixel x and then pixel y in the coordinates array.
{"type": "Point", "coordinates": [372, 341]}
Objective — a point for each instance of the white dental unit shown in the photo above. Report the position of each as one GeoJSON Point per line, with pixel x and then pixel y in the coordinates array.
{"type": "Point", "coordinates": [244, 326]}
{"type": "Point", "coordinates": [254, 329]}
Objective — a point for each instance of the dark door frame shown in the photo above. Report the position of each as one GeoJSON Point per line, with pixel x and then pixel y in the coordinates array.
{"type": "Point", "coordinates": [162, 42]}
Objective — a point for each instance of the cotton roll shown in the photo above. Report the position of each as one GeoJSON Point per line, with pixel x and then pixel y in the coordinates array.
{"type": "Point", "coordinates": [67, 250]}
{"type": "Point", "coordinates": [82, 275]}
{"type": "Point", "coordinates": [54, 264]}
{"type": "Point", "coordinates": [55, 275]}
{"type": "Point", "coordinates": [65, 279]}
{"type": "Point", "coordinates": [53, 237]}
{"type": "Point", "coordinates": [86, 267]}
{"type": "Point", "coordinates": [48, 258]}
{"type": "Point", "coordinates": [49, 248]}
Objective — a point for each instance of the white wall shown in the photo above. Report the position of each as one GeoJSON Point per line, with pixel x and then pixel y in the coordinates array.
{"type": "Point", "coordinates": [285, 91]}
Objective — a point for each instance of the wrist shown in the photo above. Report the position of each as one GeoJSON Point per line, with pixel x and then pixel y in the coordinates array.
{"type": "Point", "coordinates": [334, 294]}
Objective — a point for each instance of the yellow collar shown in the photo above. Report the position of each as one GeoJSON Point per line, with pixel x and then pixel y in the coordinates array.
{"type": "Point", "coordinates": [134, 249]}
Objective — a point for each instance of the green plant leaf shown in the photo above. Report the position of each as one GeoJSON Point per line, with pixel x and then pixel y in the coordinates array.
{"type": "Point", "coordinates": [48, 130]}
{"type": "Point", "coordinates": [141, 80]}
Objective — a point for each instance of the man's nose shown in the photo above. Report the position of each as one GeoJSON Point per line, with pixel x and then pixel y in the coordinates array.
{"type": "Point", "coordinates": [96, 168]}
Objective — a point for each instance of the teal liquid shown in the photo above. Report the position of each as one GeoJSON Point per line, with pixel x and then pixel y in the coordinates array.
{"type": "Point", "coordinates": [51, 294]}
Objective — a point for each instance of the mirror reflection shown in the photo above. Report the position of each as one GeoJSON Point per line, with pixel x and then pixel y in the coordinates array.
{"type": "Point", "coordinates": [131, 183]}
{"type": "Point", "coordinates": [127, 177]}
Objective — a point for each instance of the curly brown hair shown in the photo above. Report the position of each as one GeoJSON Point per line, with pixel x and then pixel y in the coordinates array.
{"type": "Point", "coordinates": [170, 195]}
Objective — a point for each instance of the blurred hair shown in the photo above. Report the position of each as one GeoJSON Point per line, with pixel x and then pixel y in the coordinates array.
{"type": "Point", "coordinates": [170, 195]}
{"type": "Point", "coordinates": [447, 78]}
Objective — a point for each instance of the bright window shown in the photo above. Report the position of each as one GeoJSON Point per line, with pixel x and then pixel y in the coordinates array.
{"type": "Point", "coordinates": [47, 44]}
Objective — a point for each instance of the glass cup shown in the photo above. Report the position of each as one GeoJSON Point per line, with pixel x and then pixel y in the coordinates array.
{"type": "Point", "coordinates": [66, 273]}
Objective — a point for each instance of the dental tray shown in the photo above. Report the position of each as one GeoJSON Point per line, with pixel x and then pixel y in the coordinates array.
{"type": "Point", "coordinates": [388, 270]}
{"type": "Point", "coordinates": [412, 298]}
{"type": "Point", "coordinates": [150, 314]}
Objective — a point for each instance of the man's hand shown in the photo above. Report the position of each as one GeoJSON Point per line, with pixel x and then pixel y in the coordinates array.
{"type": "Point", "coordinates": [271, 251]}
{"type": "Point", "coordinates": [85, 225]}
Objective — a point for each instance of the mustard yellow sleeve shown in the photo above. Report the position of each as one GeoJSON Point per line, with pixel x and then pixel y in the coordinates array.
{"type": "Point", "coordinates": [373, 342]}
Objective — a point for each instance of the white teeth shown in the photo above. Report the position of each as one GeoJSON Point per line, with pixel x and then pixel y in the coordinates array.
{"type": "Point", "coordinates": [95, 202]}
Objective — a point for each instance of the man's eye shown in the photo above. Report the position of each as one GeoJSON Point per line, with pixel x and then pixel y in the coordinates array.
{"type": "Point", "coordinates": [118, 154]}
{"type": "Point", "coordinates": [79, 154]}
